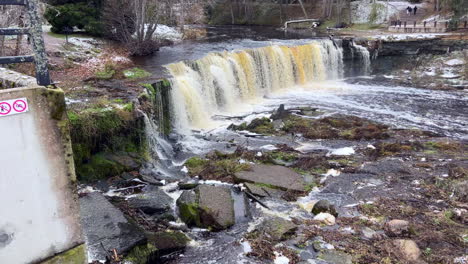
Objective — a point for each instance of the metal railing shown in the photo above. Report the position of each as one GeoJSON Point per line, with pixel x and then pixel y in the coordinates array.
{"type": "Point", "coordinates": [427, 24]}
{"type": "Point", "coordinates": [35, 33]}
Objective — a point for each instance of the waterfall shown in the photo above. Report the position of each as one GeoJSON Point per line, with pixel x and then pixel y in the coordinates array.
{"type": "Point", "coordinates": [219, 82]}
{"type": "Point", "coordinates": [364, 56]}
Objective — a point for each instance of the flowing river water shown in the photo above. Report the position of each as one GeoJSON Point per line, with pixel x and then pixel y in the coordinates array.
{"type": "Point", "coordinates": [229, 81]}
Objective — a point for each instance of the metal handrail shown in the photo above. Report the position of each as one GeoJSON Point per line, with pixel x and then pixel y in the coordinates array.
{"type": "Point", "coordinates": [35, 32]}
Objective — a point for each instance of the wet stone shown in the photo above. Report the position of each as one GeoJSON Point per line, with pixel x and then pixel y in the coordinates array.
{"type": "Point", "coordinates": [324, 206]}
{"type": "Point", "coordinates": [207, 206]}
{"type": "Point", "coordinates": [277, 228]}
{"type": "Point", "coordinates": [263, 191]}
{"type": "Point", "coordinates": [106, 228]}
{"type": "Point", "coordinates": [407, 250]}
{"type": "Point", "coordinates": [336, 257]}
{"type": "Point", "coordinates": [168, 241]}
{"type": "Point", "coordinates": [274, 176]}
{"type": "Point", "coordinates": [397, 227]}
{"type": "Point", "coordinates": [152, 200]}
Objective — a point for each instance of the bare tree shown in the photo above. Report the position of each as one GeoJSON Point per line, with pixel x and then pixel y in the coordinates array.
{"type": "Point", "coordinates": [133, 22]}
{"type": "Point", "coordinates": [8, 17]}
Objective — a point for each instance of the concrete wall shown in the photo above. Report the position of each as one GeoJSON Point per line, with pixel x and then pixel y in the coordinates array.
{"type": "Point", "coordinates": [39, 215]}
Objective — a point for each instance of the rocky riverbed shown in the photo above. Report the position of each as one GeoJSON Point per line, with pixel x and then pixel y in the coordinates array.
{"type": "Point", "coordinates": [320, 189]}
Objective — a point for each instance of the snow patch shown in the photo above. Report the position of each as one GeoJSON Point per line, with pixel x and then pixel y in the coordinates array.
{"type": "Point", "coordinates": [280, 259]}
{"type": "Point", "coordinates": [455, 62]}
{"type": "Point", "coordinates": [346, 151]}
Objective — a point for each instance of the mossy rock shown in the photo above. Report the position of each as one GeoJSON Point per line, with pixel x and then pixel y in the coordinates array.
{"type": "Point", "coordinates": [258, 125]}
{"type": "Point", "coordinates": [143, 254]}
{"type": "Point", "coordinates": [207, 206]}
{"type": "Point", "coordinates": [136, 73]}
{"type": "Point", "coordinates": [277, 228]}
{"type": "Point", "coordinates": [106, 74]}
{"type": "Point", "coordinates": [168, 241]}
{"type": "Point", "coordinates": [75, 255]}
{"type": "Point", "coordinates": [106, 141]}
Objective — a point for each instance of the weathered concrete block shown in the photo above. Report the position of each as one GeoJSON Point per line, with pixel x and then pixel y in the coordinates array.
{"type": "Point", "coordinates": [40, 215]}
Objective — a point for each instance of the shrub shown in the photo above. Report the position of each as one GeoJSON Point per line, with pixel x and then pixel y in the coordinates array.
{"type": "Point", "coordinates": [82, 15]}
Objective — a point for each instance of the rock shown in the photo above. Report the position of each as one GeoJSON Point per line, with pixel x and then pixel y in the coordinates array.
{"type": "Point", "coordinates": [320, 245]}
{"type": "Point", "coordinates": [263, 191]}
{"type": "Point", "coordinates": [368, 233]}
{"type": "Point", "coordinates": [106, 228]}
{"type": "Point", "coordinates": [457, 172]}
{"type": "Point", "coordinates": [187, 185]}
{"type": "Point", "coordinates": [279, 113]}
{"type": "Point", "coordinates": [128, 176]}
{"type": "Point", "coordinates": [151, 180]}
{"type": "Point", "coordinates": [152, 200]}
{"type": "Point", "coordinates": [276, 176]}
{"type": "Point", "coordinates": [325, 218]}
{"type": "Point", "coordinates": [323, 206]}
{"type": "Point", "coordinates": [460, 191]}
{"type": "Point", "coordinates": [336, 257]}
{"type": "Point", "coordinates": [277, 228]}
{"type": "Point", "coordinates": [168, 241]}
{"type": "Point", "coordinates": [125, 160]}
{"type": "Point", "coordinates": [407, 250]}
{"type": "Point", "coordinates": [278, 124]}
{"type": "Point", "coordinates": [208, 207]}
{"type": "Point", "coordinates": [397, 227]}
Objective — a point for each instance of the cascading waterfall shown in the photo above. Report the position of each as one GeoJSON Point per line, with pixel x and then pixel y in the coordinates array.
{"type": "Point", "coordinates": [364, 56]}
{"type": "Point", "coordinates": [219, 82]}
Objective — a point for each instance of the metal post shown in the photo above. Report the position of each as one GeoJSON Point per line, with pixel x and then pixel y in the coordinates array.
{"type": "Point", "coordinates": [42, 71]}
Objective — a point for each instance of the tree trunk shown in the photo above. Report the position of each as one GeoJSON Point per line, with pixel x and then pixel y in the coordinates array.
{"type": "Point", "coordinates": [303, 9]}
{"type": "Point", "coordinates": [232, 13]}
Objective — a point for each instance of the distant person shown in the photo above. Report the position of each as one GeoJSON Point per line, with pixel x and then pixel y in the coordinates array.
{"type": "Point", "coordinates": [415, 9]}
{"type": "Point", "coordinates": [408, 10]}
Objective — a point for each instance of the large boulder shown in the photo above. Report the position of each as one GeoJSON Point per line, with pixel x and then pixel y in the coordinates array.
{"type": "Point", "coordinates": [106, 228]}
{"type": "Point", "coordinates": [207, 206]}
{"type": "Point", "coordinates": [152, 200]}
{"type": "Point", "coordinates": [273, 176]}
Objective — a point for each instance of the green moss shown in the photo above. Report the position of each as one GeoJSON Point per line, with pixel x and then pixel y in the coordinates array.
{"type": "Point", "coordinates": [189, 213]}
{"type": "Point", "coordinates": [142, 254]}
{"type": "Point", "coordinates": [284, 156]}
{"type": "Point", "coordinates": [128, 107]}
{"type": "Point", "coordinates": [195, 162]}
{"type": "Point", "coordinates": [136, 73]}
{"type": "Point", "coordinates": [107, 73]}
{"type": "Point", "coordinates": [102, 130]}
{"type": "Point", "coordinates": [259, 125]}
{"type": "Point", "coordinates": [98, 167]}
{"type": "Point", "coordinates": [265, 185]}
{"type": "Point", "coordinates": [75, 255]}
{"type": "Point", "coordinates": [310, 186]}
{"type": "Point", "coordinates": [444, 146]}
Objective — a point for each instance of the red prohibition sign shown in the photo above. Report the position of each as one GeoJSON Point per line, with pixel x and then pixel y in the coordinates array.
{"type": "Point", "coordinates": [19, 106]}
{"type": "Point", "coordinates": [5, 108]}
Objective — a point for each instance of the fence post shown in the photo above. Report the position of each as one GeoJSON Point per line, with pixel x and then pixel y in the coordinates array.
{"type": "Point", "coordinates": [42, 71]}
